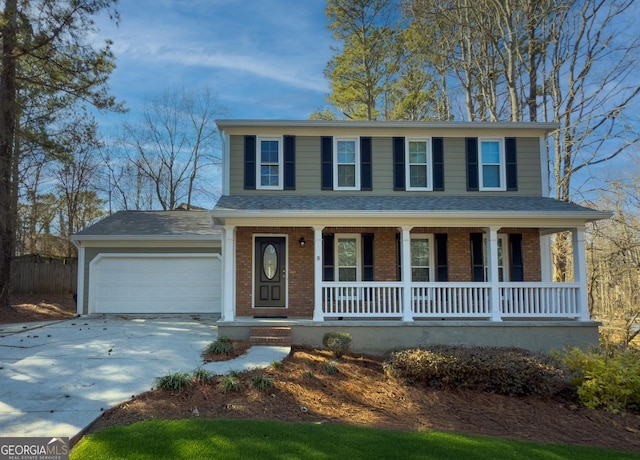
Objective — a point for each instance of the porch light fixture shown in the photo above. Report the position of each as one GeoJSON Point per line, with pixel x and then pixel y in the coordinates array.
{"type": "Point", "coordinates": [301, 241]}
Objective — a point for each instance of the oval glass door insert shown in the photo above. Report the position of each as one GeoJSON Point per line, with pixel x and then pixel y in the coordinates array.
{"type": "Point", "coordinates": [270, 261]}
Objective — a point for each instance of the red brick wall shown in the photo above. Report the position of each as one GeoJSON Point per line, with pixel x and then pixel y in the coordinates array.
{"type": "Point", "coordinates": [301, 264]}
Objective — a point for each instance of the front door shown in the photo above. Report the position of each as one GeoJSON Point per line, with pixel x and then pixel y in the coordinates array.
{"type": "Point", "coordinates": [271, 272]}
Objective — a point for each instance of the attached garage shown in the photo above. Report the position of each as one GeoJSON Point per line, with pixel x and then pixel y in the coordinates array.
{"type": "Point", "coordinates": [155, 283]}
{"type": "Point", "coordinates": [150, 262]}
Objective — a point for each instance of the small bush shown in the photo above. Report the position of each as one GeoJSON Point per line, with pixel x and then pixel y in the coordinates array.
{"type": "Point", "coordinates": [202, 377]}
{"type": "Point", "coordinates": [177, 381]}
{"type": "Point", "coordinates": [308, 375]}
{"type": "Point", "coordinates": [338, 343]}
{"type": "Point", "coordinates": [331, 368]}
{"type": "Point", "coordinates": [230, 383]}
{"type": "Point", "coordinates": [605, 380]}
{"type": "Point", "coordinates": [508, 371]}
{"type": "Point", "coordinates": [276, 364]}
{"type": "Point", "coordinates": [262, 382]}
{"type": "Point", "coordinates": [222, 346]}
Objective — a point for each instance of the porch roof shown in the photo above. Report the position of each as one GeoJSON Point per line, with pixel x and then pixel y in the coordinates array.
{"type": "Point", "coordinates": [402, 206]}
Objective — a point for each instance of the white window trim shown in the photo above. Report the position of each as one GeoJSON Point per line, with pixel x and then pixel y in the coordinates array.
{"type": "Point", "coordinates": [337, 267]}
{"type": "Point", "coordinates": [504, 238]}
{"type": "Point", "coordinates": [502, 165]}
{"type": "Point", "coordinates": [356, 140]}
{"type": "Point", "coordinates": [407, 163]}
{"type": "Point", "coordinates": [259, 140]}
{"type": "Point", "coordinates": [430, 238]}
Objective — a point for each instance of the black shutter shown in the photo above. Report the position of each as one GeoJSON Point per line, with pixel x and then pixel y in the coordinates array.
{"type": "Point", "coordinates": [511, 163]}
{"type": "Point", "coordinates": [517, 268]}
{"type": "Point", "coordinates": [365, 164]}
{"type": "Point", "coordinates": [367, 257]}
{"type": "Point", "coordinates": [326, 169]}
{"type": "Point", "coordinates": [477, 262]}
{"type": "Point", "coordinates": [437, 149]}
{"type": "Point", "coordinates": [398, 257]}
{"type": "Point", "coordinates": [472, 163]}
{"type": "Point", "coordinates": [327, 257]}
{"type": "Point", "coordinates": [289, 162]}
{"type": "Point", "coordinates": [398, 164]}
{"type": "Point", "coordinates": [441, 257]}
{"type": "Point", "coordinates": [249, 162]}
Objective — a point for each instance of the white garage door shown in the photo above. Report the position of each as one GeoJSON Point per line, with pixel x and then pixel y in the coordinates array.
{"type": "Point", "coordinates": [155, 284]}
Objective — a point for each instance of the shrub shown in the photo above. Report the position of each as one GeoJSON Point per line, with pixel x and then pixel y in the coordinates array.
{"type": "Point", "coordinates": [508, 371]}
{"type": "Point", "coordinates": [276, 364]}
{"type": "Point", "coordinates": [222, 346]}
{"type": "Point", "coordinates": [337, 342]}
{"type": "Point", "coordinates": [202, 377]}
{"type": "Point", "coordinates": [607, 380]}
{"type": "Point", "coordinates": [262, 382]}
{"type": "Point", "coordinates": [230, 383]}
{"type": "Point", "coordinates": [331, 368]}
{"type": "Point", "coordinates": [177, 381]}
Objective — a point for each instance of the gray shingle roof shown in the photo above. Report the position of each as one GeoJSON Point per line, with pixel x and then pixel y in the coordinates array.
{"type": "Point", "coordinates": [152, 223]}
{"type": "Point", "coordinates": [409, 204]}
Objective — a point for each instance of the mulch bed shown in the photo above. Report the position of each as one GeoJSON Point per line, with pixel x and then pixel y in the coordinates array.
{"type": "Point", "coordinates": [38, 307]}
{"type": "Point", "coordinates": [361, 394]}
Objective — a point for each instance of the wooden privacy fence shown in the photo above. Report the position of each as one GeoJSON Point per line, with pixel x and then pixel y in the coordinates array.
{"type": "Point", "coordinates": [34, 274]}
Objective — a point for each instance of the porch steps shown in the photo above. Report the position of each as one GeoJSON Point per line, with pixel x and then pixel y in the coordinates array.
{"type": "Point", "coordinates": [270, 336]}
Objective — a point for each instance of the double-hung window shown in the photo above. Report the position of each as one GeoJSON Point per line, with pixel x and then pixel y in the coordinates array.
{"type": "Point", "coordinates": [421, 258]}
{"type": "Point", "coordinates": [347, 250]}
{"type": "Point", "coordinates": [492, 164]}
{"type": "Point", "coordinates": [270, 163]}
{"type": "Point", "coordinates": [346, 163]}
{"type": "Point", "coordinates": [418, 164]}
{"type": "Point", "coordinates": [503, 266]}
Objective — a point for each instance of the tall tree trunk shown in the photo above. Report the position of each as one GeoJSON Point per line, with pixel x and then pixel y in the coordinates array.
{"type": "Point", "coordinates": [7, 158]}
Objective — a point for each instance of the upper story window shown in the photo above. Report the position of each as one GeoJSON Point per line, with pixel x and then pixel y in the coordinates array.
{"type": "Point", "coordinates": [270, 163]}
{"type": "Point", "coordinates": [492, 164]}
{"type": "Point", "coordinates": [418, 164]}
{"type": "Point", "coordinates": [346, 164]}
{"type": "Point", "coordinates": [421, 258]}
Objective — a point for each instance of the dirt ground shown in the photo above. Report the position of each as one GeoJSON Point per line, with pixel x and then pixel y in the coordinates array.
{"type": "Point", "coordinates": [360, 394]}
{"type": "Point", "coordinates": [38, 307]}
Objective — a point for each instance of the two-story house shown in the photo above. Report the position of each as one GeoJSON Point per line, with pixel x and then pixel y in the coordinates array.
{"type": "Point", "coordinates": [401, 233]}
{"type": "Point", "coordinates": [384, 229]}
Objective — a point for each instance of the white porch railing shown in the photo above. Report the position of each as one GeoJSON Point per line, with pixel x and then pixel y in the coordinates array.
{"type": "Point", "coordinates": [450, 300]}
{"type": "Point", "coordinates": [460, 300]}
{"type": "Point", "coordinates": [549, 300]}
{"type": "Point", "coordinates": [362, 300]}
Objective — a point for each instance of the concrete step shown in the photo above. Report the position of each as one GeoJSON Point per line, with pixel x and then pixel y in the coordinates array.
{"type": "Point", "coordinates": [270, 336]}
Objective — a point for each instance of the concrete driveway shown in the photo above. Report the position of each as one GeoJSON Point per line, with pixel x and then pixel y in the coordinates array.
{"type": "Point", "coordinates": [56, 378]}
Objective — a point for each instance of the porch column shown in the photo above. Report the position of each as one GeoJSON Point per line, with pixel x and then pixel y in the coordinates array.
{"type": "Point", "coordinates": [229, 274]}
{"type": "Point", "coordinates": [492, 272]}
{"type": "Point", "coordinates": [580, 271]}
{"type": "Point", "coordinates": [317, 274]}
{"type": "Point", "coordinates": [407, 296]}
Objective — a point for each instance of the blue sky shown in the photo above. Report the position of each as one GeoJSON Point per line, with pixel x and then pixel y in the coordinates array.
{"type": "Point", "coordinates": [262, 58]}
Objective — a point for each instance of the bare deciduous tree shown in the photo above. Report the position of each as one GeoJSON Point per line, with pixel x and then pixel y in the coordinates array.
{"type": "Point", "coordinates": [174, 145]}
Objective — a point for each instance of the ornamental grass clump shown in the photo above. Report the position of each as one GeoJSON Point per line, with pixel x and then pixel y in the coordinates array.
{"type": "Point", "coordinates": [178, 381]}
{"type": "Point", "coordinates": [508, 371]}
{"type": "Point", "coordinates": [222, 346]}
{"type": "Point", "coordinates": [338, 343]}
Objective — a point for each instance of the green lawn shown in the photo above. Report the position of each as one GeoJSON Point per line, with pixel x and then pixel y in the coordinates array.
{"type": "Point", "coordinates": [239, 439]}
